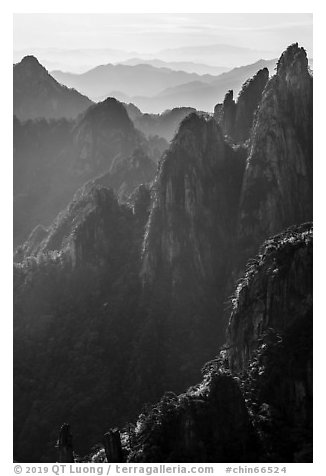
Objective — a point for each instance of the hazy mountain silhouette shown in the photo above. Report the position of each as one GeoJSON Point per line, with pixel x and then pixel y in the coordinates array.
{"type": "Point", "coordinates": [142, 79]}
{"type": "Point", "coordinates": [164, 125]}
{"type": "Point", "coordinates": [187, 66]}
{"type": "Point", "coordinates": [53, 158]}
{"type": "Point", "coordinates": [74, 59]}
{"type": "Point", "coordinates": [198, 94]}
{"type": "Point", "coordinates": [38, 94]}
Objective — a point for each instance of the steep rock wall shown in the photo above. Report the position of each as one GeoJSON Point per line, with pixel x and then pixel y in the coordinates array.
{"type": "Point", "coordinates": [277, 186]}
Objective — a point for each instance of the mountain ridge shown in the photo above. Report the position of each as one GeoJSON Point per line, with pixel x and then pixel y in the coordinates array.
{"type": "Point", "coordinates": [132, 80]}
{"type": "Point", "coordinates": [38, 94]}
{"type": "Point", "coordinates": [66, 154]}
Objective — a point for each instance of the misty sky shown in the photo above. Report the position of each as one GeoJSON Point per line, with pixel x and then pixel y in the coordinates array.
{"type": "Point", "coordinates": [147, 34]}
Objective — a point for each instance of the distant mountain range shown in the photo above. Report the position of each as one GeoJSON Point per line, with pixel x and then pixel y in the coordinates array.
{"type": "Point", "coordinates": [138, 80]}
{"type": "Point", "coordinates": [159, 89]}
{"type": "Point", "coordinates": [198, 94]}
{"type": "Point", "coordinates": [38, 94]}
{"type": "Point", "coordinates": [76, 60]}
{"type": "Point", "coordinates": [187, 66]}
{"type": "Point", "coordinates": [152, 89]}
{"type": "Point", "coordinates": [83, 59]}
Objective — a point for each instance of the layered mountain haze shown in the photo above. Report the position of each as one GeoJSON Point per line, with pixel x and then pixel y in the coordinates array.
{"type": "Point", "coordinates": [154, 89]}
{"type": "Point", "coordinates": [187, 66]}
{"type": "Point", "coordinates": [163, 125]}
{"type": "Point", "coordinates": [53, 159]}
{"type": "Point", "coordinates": [137, 80]}
{"type": "Point", "coordinates": [198, 94]}
{"type": "Point", "coordinates": [135, 232]}
{"type": "Point", "coordinates": [37, 94]}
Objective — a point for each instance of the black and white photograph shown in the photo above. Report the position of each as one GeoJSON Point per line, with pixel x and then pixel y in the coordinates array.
{"type": "Point", "coordinates": [162, 239]}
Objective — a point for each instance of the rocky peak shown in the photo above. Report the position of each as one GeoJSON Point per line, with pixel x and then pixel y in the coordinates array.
{"type": "Point", "coordinates": [277, 187]}
{"type": "Point", "coordinates": [190, 185]}
{"type": "Point", "coordinates": [38, 94]}
{"type": "Point", "coordinates": [229, 101]}
{"type": "Point", "coordinates": [30, 69]}
{"type": "Point", "coordinates": [80, 232]}
{"type": "Point", "coordinates": [236, 118]}
{"type": "Point", "coordinates": [199, 138]}
{"type": "Point", "coordinates": [248, 103]}
{"type": "Point", "coordinates": [187, 240]}
{"type": "Point", "coordinates": [228, 115]}
{"type": "Point", "coordinates": [102, 136]}
{"type": "Point", "coordinates": [31, 61]}
{"type": "Point", "coordinates": [293, 64]}
{"type": "Point", "coordinates": [294, 85]}
{"type": "Point", "coordinates": [109, 112]}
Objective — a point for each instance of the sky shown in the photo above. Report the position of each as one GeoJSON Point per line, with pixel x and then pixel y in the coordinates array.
{"type": "Point", "coordinates": [53, 35]}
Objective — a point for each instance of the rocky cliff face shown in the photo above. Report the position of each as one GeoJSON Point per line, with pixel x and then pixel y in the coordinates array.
{"type": "Point", "coordinates": [225, 113]}
{"type": "Point", "coordinates": [255, 401]}
{"type": "Point", "coordinates": [197, 237]}
{"type": "Point", "coordinates": [185, 252]}
{"type": "Point", "coordinates": [209, 215]}
{"type": "Point", "coordinates": [274, 293]}
{"type": "Point", "coordinates": [270, 343]}
{"type": "Point", "coordinates": [195, 200]}
{"type": "Point", "coordinates": [236, 118]}
{"type": "Point", "coordinates": [206, 424]}
{"type": "Point", "coordinates": [38, 94]}
{"type": "Point", "coordinates": [277, 186]}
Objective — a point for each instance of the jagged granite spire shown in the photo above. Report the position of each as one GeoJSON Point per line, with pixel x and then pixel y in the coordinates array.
{"type": "Point", "coordinates": [236, 118]}
{"type": "Point", "coordinates": [277, 187]}
{"type": "Point", "coordinates": [196, 196]}
{"type": "Point", "coordinates": [186, 248]}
